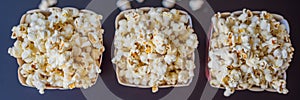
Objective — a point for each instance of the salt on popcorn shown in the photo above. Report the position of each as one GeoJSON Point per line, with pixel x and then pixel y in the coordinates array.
{"type": "Point", "coordinates": [58, 48]}
{"type": "Point", "coordinates": [154, 48]}
{"type": "Point", "coordinates": [249, 50]}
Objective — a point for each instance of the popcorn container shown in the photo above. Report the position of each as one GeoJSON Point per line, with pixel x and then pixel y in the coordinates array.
{"type": "Point", "coordinates": [20, 62]}
{"type": "Point", "coordinates": [212, 30]}
{"type": "Point", "coordinates": [122, 81]}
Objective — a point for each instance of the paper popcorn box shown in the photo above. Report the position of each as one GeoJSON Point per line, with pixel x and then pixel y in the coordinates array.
{"type": "Point", "coordinates": [20, 62]}
{"type": "Point", "coordinates": [237, 13]}
{"type": "Point", "coordinates": [117, 26]}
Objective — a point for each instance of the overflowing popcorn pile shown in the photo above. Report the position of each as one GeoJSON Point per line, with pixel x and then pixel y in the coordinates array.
{"type": "Point", "coordinates": [154, 47]}
{"type": "Point", "coordinates": [58, 48]}
{"type": "Point", "coordinates": [249, 50]}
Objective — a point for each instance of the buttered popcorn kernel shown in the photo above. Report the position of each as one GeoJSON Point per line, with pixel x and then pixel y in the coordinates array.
{"type": "Point", "coordinates": [62, 49]}
{"type": "Point", "coordinates": [249, 50]}
{"type": "Point", "coordinates": [154, 48]}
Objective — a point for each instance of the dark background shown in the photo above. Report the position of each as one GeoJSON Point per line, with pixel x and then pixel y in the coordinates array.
{"type": "Point", "coordinates": [13, 9]}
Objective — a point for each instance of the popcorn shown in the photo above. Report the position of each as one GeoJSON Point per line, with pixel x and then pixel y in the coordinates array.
{"type": "Point", "coordinates": [61, 50]}
{"type": "Point", "coordinates": [46, 3]}
{"type": "Point", "coordinates": [123, 4]}
{"type": "Point", "coordinates": [249, 50]}
{"type": "Point", "coordinates": [168, 3]}
{"type": "Point", "coordinates": [196, 4]}
{"type": "Point", "coordinates": [146, 55]}
{"type": "Point", "coordinates": [140, 1]}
